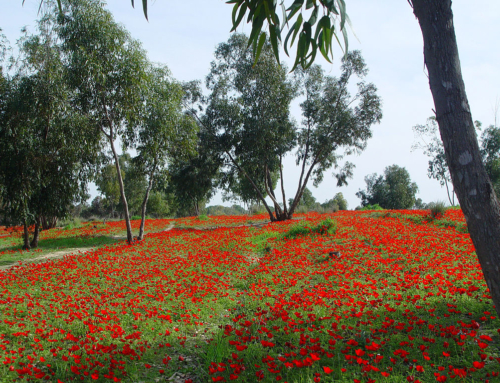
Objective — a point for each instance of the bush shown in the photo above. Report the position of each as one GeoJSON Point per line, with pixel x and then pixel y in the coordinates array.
{"type": "Point", "coordinates": [327, 226]}
{"type": "Point", "coordinates": [437, 209]}
{"type": "Point", "coordinates": [134, 217]}
{"type": "Point", "coordinates": [202, 217]}
{"type": "Point", "coordinates": [372, 207]}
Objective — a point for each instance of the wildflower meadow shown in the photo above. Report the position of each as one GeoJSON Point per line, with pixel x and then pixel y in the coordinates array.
{"type": "Point", "coordinates": [353, 296]}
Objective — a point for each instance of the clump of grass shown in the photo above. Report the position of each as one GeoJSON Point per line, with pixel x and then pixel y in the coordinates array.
{"type": "Point", "coordinates": [437, 209]}
{"type": "Point", "coordinates": [372, 207]}
{"type": "Point", "coordinates": [327, 226]}
{"type": "Point", "coordinates": [202, 217]}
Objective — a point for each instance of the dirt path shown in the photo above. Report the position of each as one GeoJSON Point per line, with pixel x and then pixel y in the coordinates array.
{"type": "Point", "coordinates": [53, 255]}
{"type": "Point", "coordinates": [61, 253]}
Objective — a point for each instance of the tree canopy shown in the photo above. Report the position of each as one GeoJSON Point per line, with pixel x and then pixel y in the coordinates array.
{"type": "Point", "coordinates": [393, 190]}
{"type": "Point", "coordinates": [47, 152]}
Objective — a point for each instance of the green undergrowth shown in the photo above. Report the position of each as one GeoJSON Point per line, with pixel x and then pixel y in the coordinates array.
{"type": "Point", "coordinates": [10, 254]}
{"type": "Point", "coordinates": [327, 226]}
{"type": "Point", "coordinates": [438, 221]}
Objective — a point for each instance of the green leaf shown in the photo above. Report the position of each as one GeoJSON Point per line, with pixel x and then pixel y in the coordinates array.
{"type": "Point", "coordinates": [271, 15]}
{"type": "Point", "coordinates": [233, 14]}
{"type": "Point", "coordinates": [144, 7]}
{"type": "Point", "coordinates": [310, 4]}
{"type": "Point", "coordinates": [262, 40]}
{"type": "Point", "coordinates": [294, 8]}
{"type": "Point", "coordinates": [285, 45]}
{"type": "Point", "coordinates": [274, 41]}
{"type": "Point", "coordinates": [301, 46]}
{"type": "Point", "coordinates": [322, 49]}
{"type": "Point", "coordinates": [314, 16]}
{"type": "Point", "coordinates": [313, 54]}
{"type": "Point", "coordinates": [298, 25]}
{"type": "Point", "coordinates": [307, 32]}
{"type": "Point", "coordinates": [342, 14]}
{"type": "Point", "coordinates": [323, 22]}
{"type": "Point", "coordinates": [256, 28]}
{"type": "Point", "coordinates": [330, 5]}
{"type": "Point", "coordinates": [346, 42]}
{"type": "Point", "coordinates": [237, 22]}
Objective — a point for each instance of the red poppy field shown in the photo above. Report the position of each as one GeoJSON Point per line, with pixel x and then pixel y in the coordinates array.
{"type": "Point", "coordinates": [386, 297]}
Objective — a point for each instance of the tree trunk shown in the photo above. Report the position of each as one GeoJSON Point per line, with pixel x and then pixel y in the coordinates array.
{"type": "Point", "coordinates": [48, 223]}
{"type": "Point", "coordinates": [143, 208]}
{"type": "Point", "coordinates": [470, 181]}
{"type": "Point", "coordinates": [130, 238]}
{"type": "Point", "coordinates": [26, 236]}
{"type": "Point", "coordinates": [34, 242]}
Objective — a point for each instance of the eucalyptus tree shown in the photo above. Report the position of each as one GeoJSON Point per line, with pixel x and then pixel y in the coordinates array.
{"type": "Point", "coordinates": [393, 190]}
{"type": "Point", "coordinates": [162, 131]}
{"type": "Point", "coordinates": [47, 154]}
{"type": "Point", "coordinates": [335, 123]}
{"type": "Point", "coordinates": [438, 169]}
{"type": "Point", "coordinates": [248, 116]}
{"type": "Point", "coordinates": [431, 144]}
{"type": "Point", "coordinates": [490, 152]}
{"type": "Point", "coordinates": [194, 178]}
{"type": "Point", "coordinates": [107, 70]}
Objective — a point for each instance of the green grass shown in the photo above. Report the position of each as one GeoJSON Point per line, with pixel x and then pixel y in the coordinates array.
{"type": "Point", "coordinates": [47, 246]}
{"type": "Point", "coordinates": [327, 226]}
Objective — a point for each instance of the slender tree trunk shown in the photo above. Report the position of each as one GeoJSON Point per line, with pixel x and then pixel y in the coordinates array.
{"type": "Point", "coordinates": [448, 191]}
{"type": "Point", "coordinates": [470, 181]}
{"type": "Point", "coordinates": [34, 242]}
{"type": "Point", "coordinates": [285, 209]}
{"type": "Point", "coordinates": [45, 224]}
{"type": "Point", "coordinates": [144, 205]}
{"type": "Point", "coordinates": [196, 209]}
{"type": "Point", "coordinates": [261, 197]}
{"type": "Point", "coordinates": [302, 186]}
{"type": "Point", "coordinates": [269, 188]}
{"type": "Point", "coordinates": [130, 238]}
{"type": "Point", "coordinates": [26, 236]}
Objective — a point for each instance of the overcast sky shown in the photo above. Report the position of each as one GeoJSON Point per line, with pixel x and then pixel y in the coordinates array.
{"type": "Point", "coordinates": [184, 34]}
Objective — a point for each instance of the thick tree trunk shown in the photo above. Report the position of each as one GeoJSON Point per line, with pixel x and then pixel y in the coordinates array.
{"type": "Point", "coordinates": [34, 242]}
{"type": "Point", "coordinates": [130, 238]}
{"type": "Point", "coordinates": [143, 208]}
{"type": "Point", "coordinates": [26, 236]}
{"type": "Point", "coordinates": [470, 181]}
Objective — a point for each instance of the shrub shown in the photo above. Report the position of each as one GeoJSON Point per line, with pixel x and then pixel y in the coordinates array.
{"type": "Point", "coordinates": [134, 217]}
{"type": "Point", "coordinates": [437, 209]}
{"type": "Point", "coordinates": [202, 217]}
{"type": "Point", "coordinates": [327, 226]}
{"type": "Point", "coordinates": [372, 207]}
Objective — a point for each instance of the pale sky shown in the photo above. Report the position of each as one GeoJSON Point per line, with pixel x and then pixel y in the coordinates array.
{"type": "Point", "coordinates": [183, 35]}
